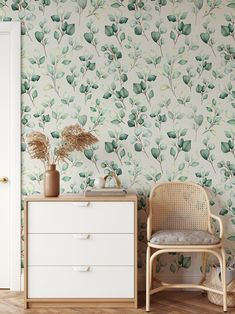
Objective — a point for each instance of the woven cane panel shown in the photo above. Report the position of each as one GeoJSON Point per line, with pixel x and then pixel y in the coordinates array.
{"type": "Point", "coordinates": [179, 206]}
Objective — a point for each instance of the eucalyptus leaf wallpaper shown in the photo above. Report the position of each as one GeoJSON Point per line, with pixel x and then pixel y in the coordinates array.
{"type": "Point", "coordinates": [154, 80]}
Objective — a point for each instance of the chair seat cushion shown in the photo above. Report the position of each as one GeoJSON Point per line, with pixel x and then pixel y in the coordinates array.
{"type": "Point", "coordinates": [183, 237]}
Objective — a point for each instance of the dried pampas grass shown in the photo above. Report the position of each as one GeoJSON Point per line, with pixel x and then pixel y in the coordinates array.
{"type": "Point", "coordinates": [62, 153]}
{"type": "Point", "coordinates": [38, 146]}
{"type": "Point", "coordinates": [73, 138]}
{"type": "Point", "coordinates": [77, 138]}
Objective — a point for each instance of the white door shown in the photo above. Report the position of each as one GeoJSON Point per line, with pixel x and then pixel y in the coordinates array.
{"type": "Point", "coordinates": [9, 154]}
{"type": "Point", "coordinates": [4, 161]}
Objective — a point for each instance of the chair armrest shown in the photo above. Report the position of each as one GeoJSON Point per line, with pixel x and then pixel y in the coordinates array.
{"type": "Point", "coordinates": [220, 224]}
{"type": "Point", "coordinates": [149, 231]}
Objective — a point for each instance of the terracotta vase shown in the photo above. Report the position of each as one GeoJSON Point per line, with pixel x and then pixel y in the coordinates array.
{"type": "Point", "coordinates": [51, 181]}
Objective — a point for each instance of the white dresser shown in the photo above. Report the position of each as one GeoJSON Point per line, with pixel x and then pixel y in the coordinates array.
{"type": "Point", "coordinates": [81, 251]}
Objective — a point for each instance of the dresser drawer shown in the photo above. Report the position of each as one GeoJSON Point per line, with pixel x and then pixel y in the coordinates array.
{"type": "Point", "coordinates": [80, 217]}
{"type": "Point", "coordinates": [82, 249]}
{"type": "Point", "coordinates": [80, 282]}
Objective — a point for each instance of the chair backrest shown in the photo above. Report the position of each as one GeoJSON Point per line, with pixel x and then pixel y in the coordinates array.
{"type": "Point", "coordinates": [178, 206]}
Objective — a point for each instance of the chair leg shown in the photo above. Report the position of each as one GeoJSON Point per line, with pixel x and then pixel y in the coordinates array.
{"type": "Point", "coordinates": [151, 266]}
{"type": "Point", "coordinates": [203, 268]}
{"type": "Point", "coordinates": [148, 279]}
{"type": "Point", "coordinates": [223, 277]}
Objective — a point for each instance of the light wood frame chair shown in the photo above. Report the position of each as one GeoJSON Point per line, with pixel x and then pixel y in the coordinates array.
{"type": "Point", "coordinates": [181, 206]}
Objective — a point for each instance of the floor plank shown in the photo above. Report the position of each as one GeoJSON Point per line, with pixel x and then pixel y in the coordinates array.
{"type": "Point", "coordinates": [167, 302]}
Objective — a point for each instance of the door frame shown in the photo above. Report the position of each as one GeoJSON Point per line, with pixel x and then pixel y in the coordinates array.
{"type": "Point", "coordinates": [13, 29]}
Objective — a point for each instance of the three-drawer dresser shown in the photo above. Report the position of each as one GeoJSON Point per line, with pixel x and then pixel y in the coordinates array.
{"type": "Point", "coordinates": [80, 251]}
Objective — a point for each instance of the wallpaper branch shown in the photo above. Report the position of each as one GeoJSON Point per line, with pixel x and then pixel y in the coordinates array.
{"type": "Point", "coordinates": [152, 79]}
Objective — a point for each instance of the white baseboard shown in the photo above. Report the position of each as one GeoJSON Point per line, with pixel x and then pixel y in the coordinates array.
{"type": "Point", "coordinates": [22, 281]}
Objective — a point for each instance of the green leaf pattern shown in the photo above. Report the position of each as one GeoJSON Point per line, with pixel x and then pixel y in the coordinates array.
{"type": "Point", "coordinates": [154, 80]}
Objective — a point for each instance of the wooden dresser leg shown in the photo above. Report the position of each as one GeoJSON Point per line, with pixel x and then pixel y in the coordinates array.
{"type": "Point", "coordinates": [148, 280]}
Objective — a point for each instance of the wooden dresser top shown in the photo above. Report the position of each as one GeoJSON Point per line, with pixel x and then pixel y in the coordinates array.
{"type": "Point", "coordinates": [79, 198]}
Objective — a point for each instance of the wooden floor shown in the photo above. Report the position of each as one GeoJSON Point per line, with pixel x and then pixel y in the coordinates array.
{"type": "Point", "coordinates": [167, 302]}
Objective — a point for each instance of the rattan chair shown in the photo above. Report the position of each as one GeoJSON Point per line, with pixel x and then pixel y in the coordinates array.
{"type": "Point", "coordinates": [179, 221]}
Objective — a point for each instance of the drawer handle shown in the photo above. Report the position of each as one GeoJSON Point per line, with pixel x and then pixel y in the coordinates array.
{"type": "Point", "coordinates": [81, 236]}
{"type": "Point", "coordinates": [81, 269]}
{"type": "Point", "coordinates": [81, 204]}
